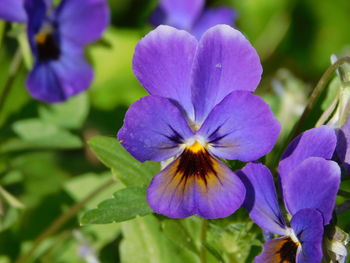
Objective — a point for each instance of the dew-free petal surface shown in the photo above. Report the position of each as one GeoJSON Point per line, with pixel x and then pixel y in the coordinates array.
{"type": "Point", "coordinates": [196, 184]}
{"type": "Point", "coordinates": [82, 21]}
{"type": "Point", "coordinates": [261, 198]}
{"type": "Point", "coordinates": [313, 184]}
{"type": "Point", "coordinates": [317, 142]}
{"type": "Point", "coordinates": [162, 63]}
{"type": "Point", "coordinates": [153, 129]}
{"type": "Point", "coordinates": [241, 127]}
{"type": "Point", "coordinates": [212, 17]}
{"type": "Point", "coordinates": [13, 11]}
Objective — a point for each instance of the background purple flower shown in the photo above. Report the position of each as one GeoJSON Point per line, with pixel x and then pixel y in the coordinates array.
{"type": "Point", "coordinates": [309, 183]}
{"type": "Point", "coordinates": [200, 105]}
{"type": "Point", "coordinates": [191, 15]}
{"type": "Point", "coordinates": [57, 37]}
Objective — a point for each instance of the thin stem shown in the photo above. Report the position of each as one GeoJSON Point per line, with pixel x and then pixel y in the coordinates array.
{"type": "Point", "coordinates": [203, 250]}
{"type": "Point", "coordinates": [317, 91]}
{"type": "Point", "coordinates": [344, 193]}
{"type": "Point", "coordinates": [61, 220]}
{"type": "Point", "coordinates": [13, 72]}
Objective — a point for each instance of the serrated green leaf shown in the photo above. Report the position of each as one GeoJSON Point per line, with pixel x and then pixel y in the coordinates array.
{"type": "Point", "coordinates": [126, 204]}
{"type": "Point", "coordinates": [70, 114]}
{"type": "Point", "coordinates": [128, 170]}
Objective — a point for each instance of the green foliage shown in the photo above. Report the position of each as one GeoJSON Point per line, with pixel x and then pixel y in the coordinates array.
{"type": "Point", "coordinates": [123, 165]}
{"type": "Point", "coordinates": [126, 204]}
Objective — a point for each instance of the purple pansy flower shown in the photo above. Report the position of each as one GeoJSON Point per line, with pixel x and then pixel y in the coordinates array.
{"type": "Point", "coordinates": [309, 182]}
{"type": "Point", "coordinates": [343, 146]}
{"type": "Point", "coordinates": [191, 15]}
{"type": "Point", "coordinates": [57, 36]}
{"type": "Point", "coordinates": [200, 105]}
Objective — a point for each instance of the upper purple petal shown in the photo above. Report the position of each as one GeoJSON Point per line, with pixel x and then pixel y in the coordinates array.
{"type": "Point", "coordinates": [82, 21]}
{"type": "Point", "coordinates": [225, 61]}
{"type": "Point", "coordinates": [180, 13]}
{"type": "Point", "coordinates": [212, 17]}
{"type": "Point", "coordinates": [196, 184]}
{"type": "Point", "coordinates": [57, 80]}
{"type": "Point", "coordinates": [317, 142]}
{"type": "Point", "coordinates": [162, 63]}
{"type": "Point", "coordinates": [307, 225]}
{"type": "Point", "coordinates": [343, 145]}
{"type": "Point", "coordinates": [13, 11]}
{"type": "Point", "coordinates": [153, 129]}
{"type": "Point", "coordinates": [313, 184]}
{"type": "Point", "coordinates": [241, 126]}
{"type": "Point", "coordinates": [261, 198]}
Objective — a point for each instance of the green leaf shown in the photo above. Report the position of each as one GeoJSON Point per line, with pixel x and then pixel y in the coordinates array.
{"type": "Point", "coordinates": [70, 114]}
{"type": "Point", "coordinates": [144, 242]}
{"type": "Point", "coordinates": [36, 134]}
{"type": "Point", "coordinates": [127, 204]}
{"type": "Point", "coordinates": [128, 170]}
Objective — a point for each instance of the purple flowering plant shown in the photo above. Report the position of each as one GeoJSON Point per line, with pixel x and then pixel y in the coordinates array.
{"type": "Point", "coordinates": [191, 16]}
{"type": "Point", "coordinates": [309, 182]}
{"type": "Point", "coordinates": [57, 36]}
{"type": "Point", "coordinates": [200, 106]}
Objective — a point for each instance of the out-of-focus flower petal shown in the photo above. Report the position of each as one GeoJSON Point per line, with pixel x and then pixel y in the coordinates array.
{"type": "Point", "coordinates": [317, 142]}
{"type": "Point", "coordinates": [225, 61]}
{"type": "Point", "coordinates": [241, 126]}
{"type": "Point", "coordinates": [57, 80]}
{"type": "Point", "coordinates": [343, 145]}
{"type": "Point", "coordinates": [178, 13]}
{"type": "Point", "coordinates": [278, 250]}
{"type": "Point", "coordinates": [196, 184]}
{"type": "Point", "coordinates": [162, 63]}
{"type": "Point", "coordinates": [13, 11]}
{"type": "Point", "coordinates": [307, 225]}
{"type": "Point", "coordinates": [212, 17]}
{"type": "Point", "coordinates": [82, 21]}
{"type": "Point", "coordinates": [261, 198]}
{"type": "Point", "coordinates": [313, 184]}
{"type": "Point", "coordinates": [153, 129]}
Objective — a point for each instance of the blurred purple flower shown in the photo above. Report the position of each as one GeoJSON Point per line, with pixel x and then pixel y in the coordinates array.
{"type": "Point", "coordinates": [200, 105]}
{"type": "Point", "coordinates": [57, 37]}
{"type": "Point", "coordinates": [309, 182]}
{"type": "Point", "coordinates": [190, 15]}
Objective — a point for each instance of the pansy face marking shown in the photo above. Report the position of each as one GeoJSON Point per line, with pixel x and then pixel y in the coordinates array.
{"type": "Point", "coordinates": [310, 182]}
{"type": "Point", "coordinates": [47, 43]}
{"type": "Point", "coordinates": [57, 36]}
{"type": "Point", "coordinates": [195, 113]}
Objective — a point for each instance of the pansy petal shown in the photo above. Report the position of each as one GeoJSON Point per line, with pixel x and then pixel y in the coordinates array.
{"type": "Point", "coordinates": [317, 142]}
{"type": "Point", "coordinates": [181, 13]}
{"type": "Point", "coordinates": [313, 184]}
{"type": "Point", "coordinates": [343, 145]}
{"type": "Point", "coordinates": [153, 129]}
{"type": "Point", "coordinates": [162, 63]}
{"type": "Point", "coordinates": [212, 17]}
{"type": "Point", "coordinates": [241, 127]}
{"type": "Point", "coordinates": [279, 250]}
{"type": "Point", "coordinates": [82, 21]}
{"type": "Point", "coordinates": [13, 11]}
{"type": "Point", "coordinates": [57, 80]}
{"type": "Point", "coordinates": [261, 198]}
{"type": "Point", "coordinates": [225, 61]}
{"type": "Point", "coordinates": [196, 184]}
{"type": "Point", "coordinates": [307, 225]}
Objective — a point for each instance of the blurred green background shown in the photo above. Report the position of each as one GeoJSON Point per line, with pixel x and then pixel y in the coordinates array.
{"type": "Point", "coordinates": [46, 165]}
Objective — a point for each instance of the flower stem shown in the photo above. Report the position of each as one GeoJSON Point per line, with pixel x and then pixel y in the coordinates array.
{"type": "Point", "coordinates": [203, 250]}
{"type": "Point", "coordinates": [61, 220]}
{"type": "Point", "coordinates": [317, 91]}
{"type": "Point", "coordinates": [13, 72]}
